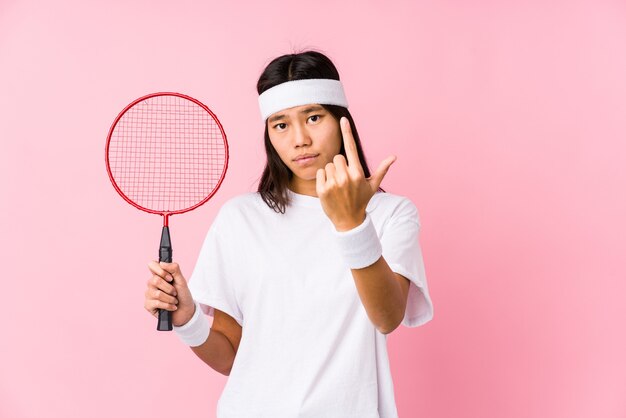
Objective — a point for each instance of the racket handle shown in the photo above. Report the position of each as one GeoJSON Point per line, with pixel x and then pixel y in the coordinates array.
{"type": "Point", "coordinates": [165, 255]}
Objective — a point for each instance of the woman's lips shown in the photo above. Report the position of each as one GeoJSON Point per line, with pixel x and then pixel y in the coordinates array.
{"type": "Point", "coordinates": [306, 160]}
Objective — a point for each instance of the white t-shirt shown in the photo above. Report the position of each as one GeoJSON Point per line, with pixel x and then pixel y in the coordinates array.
{"type": "Point", "coordinates": [308, 348]}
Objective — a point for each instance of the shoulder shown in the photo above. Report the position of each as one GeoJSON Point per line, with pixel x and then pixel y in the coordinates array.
{"type": "Point", "coordinates": [389, 201]}
{"type": "Point", "coordinates": [233, 214]}
{"type": "Point", "coordinates": [241, 201]}
{"type": "Point", "coordinates": [393, 206]}
{"type": "Point", "coordinates": [246, 204]}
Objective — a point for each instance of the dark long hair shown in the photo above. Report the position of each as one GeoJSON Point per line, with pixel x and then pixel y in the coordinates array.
{"type": "Point", "coordinates": [300, 66]}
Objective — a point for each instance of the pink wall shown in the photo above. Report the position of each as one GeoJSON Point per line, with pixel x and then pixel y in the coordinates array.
{"type": "Point", "coordinates": [508, 120]}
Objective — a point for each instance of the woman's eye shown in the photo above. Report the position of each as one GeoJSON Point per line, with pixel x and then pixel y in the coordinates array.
{"type": "Point", "coordinates": [314, 118]}
{"type": "Point", "coordinates": [280, 126]}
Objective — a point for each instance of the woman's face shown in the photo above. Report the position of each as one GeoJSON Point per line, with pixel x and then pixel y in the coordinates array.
{"type": "Point", "coordinates": [306, 138]}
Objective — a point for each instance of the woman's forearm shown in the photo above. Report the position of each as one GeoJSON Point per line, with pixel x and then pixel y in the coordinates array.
{"type": "Point", "coordinates": [217, 352]}
{"type": "Point", "coordinates": [383, 294]}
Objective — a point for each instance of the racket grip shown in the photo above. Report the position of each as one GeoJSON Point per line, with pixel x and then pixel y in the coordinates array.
{"type": "Point", "coordinates": [165, 254]}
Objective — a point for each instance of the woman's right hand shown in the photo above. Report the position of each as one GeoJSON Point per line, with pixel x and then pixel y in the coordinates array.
{"type": "Point", "coordinates": [167, 289]}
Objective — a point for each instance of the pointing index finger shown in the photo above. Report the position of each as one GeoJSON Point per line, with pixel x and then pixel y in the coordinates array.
{"type": "Point", "coordinates": [350, 145]}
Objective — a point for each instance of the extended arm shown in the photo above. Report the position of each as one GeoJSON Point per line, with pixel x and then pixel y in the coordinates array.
{"type": "Point", "coordinates": [344, 192]}
{"type": "Point", "coordinates": [383, 294]}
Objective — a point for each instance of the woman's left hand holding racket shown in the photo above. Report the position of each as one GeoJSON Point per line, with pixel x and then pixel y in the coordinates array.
{"type": "Point", "coordinates": [167, 289]}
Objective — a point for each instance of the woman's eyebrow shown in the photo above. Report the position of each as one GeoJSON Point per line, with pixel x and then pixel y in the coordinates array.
{"type": "Point", "coordinates": [276, 117]}
{"type": "Point", "coordinates": [312, 109]}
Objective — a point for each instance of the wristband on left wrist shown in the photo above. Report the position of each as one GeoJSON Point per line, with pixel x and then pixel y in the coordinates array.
{"type": "Point", "coordinates": [360, 246]}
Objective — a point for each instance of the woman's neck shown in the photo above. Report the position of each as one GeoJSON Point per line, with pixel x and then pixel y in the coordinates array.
{"type": "Point", "coordinates": [305, 187]}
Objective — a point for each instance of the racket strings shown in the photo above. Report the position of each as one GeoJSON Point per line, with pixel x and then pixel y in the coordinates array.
{"type": "Point", "coordinates": [167, 153]}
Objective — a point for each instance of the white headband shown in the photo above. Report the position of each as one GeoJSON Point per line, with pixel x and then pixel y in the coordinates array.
{"type": "Point", "coordinates": [301, 92]}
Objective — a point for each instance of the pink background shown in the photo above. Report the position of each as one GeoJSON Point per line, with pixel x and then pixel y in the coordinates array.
{"type": "Point", "coordinates": [509, 122]}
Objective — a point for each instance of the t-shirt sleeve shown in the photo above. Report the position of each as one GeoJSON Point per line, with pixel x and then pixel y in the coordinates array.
{"type": "Point", "coordinates": [402, 252]}
{"type": "Point", "coordinates": [212, 282]}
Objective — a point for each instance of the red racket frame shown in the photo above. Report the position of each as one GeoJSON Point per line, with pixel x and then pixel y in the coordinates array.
{"type": "Point", "coordinates": [166, 214]}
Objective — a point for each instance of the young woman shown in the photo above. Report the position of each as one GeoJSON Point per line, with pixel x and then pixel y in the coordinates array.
{"type": "Point", "coordinates": [305, 277]}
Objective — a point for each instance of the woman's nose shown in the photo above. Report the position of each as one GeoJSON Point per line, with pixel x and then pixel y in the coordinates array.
{"type": "Point", "coordinates": [301, 136]}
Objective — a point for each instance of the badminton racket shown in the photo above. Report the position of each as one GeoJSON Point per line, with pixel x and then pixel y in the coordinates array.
{"type": "Point", "coordinates": [166, 154]}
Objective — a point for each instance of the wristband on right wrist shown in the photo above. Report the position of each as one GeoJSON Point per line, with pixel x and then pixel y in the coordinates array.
{"type": "Point", "coordinates": [196, 331]}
